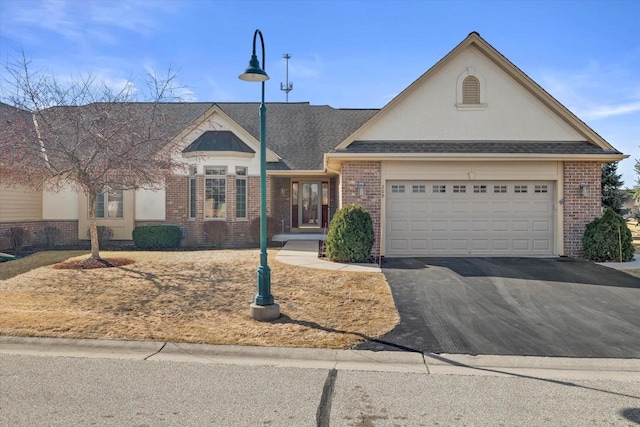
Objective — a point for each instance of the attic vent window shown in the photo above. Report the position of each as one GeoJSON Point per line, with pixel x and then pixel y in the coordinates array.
{"type": "Point", "coordinates": [471, 90]}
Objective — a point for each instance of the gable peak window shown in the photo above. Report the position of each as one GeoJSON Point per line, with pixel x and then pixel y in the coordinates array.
{"type": "Point", "coordinates": [471, 90]}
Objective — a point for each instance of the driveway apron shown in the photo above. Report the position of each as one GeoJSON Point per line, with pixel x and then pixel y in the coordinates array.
{"type": "Point", "coordinates": [512, 306]}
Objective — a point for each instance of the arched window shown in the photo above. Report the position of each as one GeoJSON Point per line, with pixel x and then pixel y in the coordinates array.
{"type": "Point", "coordinates": [471, 90]}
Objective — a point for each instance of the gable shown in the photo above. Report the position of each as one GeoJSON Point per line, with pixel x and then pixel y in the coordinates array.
{"type": "Point", "coordinates": [215, 120]}
{"type": "Point", "coordinates": [512, 107]}
{"type": "Point", "coordinates": [218, 141]}
{"type": "Point", "coordinates": [432, 111]}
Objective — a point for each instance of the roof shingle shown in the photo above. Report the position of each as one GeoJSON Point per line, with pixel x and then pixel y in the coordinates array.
{"type": "Point", "coordinates": [474, 147]}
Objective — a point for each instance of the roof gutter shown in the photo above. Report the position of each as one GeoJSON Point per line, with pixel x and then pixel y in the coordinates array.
{"type": "Point", "coordinates": [472, 157]}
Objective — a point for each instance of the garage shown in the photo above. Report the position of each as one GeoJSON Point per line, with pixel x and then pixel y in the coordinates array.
{"type": "Point", "coordinates": [493, 218]}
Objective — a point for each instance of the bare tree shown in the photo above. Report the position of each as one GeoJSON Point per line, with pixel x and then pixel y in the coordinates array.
{"type": "Point", "coordinates": [86, 134]}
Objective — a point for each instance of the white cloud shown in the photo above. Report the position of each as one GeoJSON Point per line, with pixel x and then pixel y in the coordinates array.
{"type": "Point", "coordinates": [595, 92]}
{"type": "Point", "coordinates": [83, 22]}
{"type": "Point", "coordinates": [596, 112]}
{"type": "Point", "coordinates": [304, 68]}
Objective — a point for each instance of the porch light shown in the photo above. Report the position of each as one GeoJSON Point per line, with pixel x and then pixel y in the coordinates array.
{"type": "Point", "coordinates": [584, 189]}
{"type": "Point", "coordinates": [263, 307]}
{"type": "Point", "coordinates": [362, 189]}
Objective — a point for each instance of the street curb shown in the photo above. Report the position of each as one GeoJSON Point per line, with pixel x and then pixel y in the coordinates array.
{"type": "Point", "coordinates": [319, 358]}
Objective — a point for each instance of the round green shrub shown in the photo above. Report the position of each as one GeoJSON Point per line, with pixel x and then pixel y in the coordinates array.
{"type": "Point", "coordinates": [157, 236]}
{"type": "Point", "coordinates": [605, 238]}
{"type": "Point", "coordinates": [350, 237]}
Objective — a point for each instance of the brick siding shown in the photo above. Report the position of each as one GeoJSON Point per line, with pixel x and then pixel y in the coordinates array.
{"type": "Point", "coordinates": [68, 232]}
{"type": "Point", "coordinates": [353, 173]}
{"type": "Point", "coordinates": [580, 210]}
{"type": "Point", "coordinates": [177, 210]}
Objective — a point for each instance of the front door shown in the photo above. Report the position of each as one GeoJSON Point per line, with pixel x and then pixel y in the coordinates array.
{"type": "Point", "coordinates": [310, 204]}
{"type": "Point", "coordinates": [310, 214]}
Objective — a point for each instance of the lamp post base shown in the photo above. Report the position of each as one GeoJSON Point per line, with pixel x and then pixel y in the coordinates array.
{"type": "Point", "coordinates": [264, 313]}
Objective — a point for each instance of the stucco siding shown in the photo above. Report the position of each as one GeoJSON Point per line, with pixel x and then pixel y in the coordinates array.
{"type": "Point", "coordinates": [150, 205]}
{"type": "Point", "coordinates": [428, 110]}
{"type": "Point", "coordinates": [20, 204]}
{"type": "Point", "coordinates": [60, 205]}
{"type": "Point", "coordinates": [470, 170]}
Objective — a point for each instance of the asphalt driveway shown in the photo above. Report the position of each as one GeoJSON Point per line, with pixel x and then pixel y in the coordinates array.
{"type": "Point", "coordinates": [512, 306]}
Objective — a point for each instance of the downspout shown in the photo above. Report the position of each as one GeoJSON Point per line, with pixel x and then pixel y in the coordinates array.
{"type": "Point", "coordinates": [339, 185]}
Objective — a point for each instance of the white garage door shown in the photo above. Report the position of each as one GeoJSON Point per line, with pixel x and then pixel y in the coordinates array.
{"type": "Point", "coordinates": [463, 218]}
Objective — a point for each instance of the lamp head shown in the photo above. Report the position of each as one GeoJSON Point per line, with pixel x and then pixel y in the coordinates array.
{"type": "Point", "coordinates": [254, 73]}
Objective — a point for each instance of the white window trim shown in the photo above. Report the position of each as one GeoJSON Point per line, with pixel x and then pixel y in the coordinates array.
{"type": "Point", "coordinates": [104, 194]}
{"type": "Point", "coordinates": [192, 196]}
{"type": "Point", "coordinates": [204, 172]}
{"type": "Point", "coordinates": [246, 194]}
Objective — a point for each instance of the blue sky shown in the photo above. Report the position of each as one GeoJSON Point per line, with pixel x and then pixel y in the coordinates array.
{"type": "Point", "coordinates": [347, 54]}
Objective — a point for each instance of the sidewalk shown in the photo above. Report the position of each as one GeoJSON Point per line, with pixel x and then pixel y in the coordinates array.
{"type": "Point", "coordinates": [630, 265]}
{"type": "Point", "coordinates": [314, 358]}
{"type": "Point", "coordinates": [304, 253]}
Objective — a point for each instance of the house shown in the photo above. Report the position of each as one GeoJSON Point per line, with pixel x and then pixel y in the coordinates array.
{"type": "Point", "coordinates": [631, 205]}
{"type": "Point", "coordinates": [473, 158]}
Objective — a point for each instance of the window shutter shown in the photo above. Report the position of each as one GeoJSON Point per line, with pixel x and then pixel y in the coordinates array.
{"type": "Point", "coordinates": [471, 90]}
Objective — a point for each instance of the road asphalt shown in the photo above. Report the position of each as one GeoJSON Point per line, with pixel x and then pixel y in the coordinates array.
{"type": "Point", "coordinates": [62, 382]}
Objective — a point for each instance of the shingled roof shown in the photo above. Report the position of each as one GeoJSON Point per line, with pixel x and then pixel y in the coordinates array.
{"type": "Point", "coordinates": [474, 147]}
{"type": "Point", "coordinates": [299, 133]}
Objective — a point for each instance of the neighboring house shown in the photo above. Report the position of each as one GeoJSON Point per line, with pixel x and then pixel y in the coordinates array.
{"type": "Point", "coordinates": [473, 158]}
{"type": "Point", "coordinates": [631, 204]}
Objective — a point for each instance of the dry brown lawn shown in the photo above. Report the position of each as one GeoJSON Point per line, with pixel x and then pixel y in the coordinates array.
{"type": "Point", "coordinates": [200, 297]}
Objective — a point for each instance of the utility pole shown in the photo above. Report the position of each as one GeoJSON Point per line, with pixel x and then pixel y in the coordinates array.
{"type": "Point", "coordinates": [288, 86]}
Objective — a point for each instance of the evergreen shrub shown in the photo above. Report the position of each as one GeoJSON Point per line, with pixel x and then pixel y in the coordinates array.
{"type": "Point", "coordinates": [350, 237]}
{"type": "Point", "coordinates": [608, 239]}
{"type": "Point", "coordinates": [157, 236]}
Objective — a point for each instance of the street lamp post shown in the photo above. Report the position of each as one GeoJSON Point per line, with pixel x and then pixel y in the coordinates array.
{"type": "Point", "coordinates": [263, 307]}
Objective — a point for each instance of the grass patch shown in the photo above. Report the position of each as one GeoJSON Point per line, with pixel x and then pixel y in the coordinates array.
{"type": "Point", "coordinates": [9, 269]}
{"type": "Point", "coordinates": [200, 297]}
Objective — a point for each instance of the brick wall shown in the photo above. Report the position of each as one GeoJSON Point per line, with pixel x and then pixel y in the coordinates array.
{"type": "Point", "coordinates": [177, 210]}
{"type": "Point", "coordinates": [369, 173]}
{"type": "Point", "coordinates": [580, 210]}
{"type": "Point", "coordinates": [68, 232]}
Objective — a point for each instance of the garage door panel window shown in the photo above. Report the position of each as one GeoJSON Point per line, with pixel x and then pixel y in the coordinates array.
{"type": "Point", "coordinates": [459, 188]}
{"type": "Point", "coordinates": [520, 188]}
{"type": "Point", "coordinates": [479, 188]}
{"type": "Point", "coordinates": [499, 188]}
{"type": "Point", "coordinates": [397, 188]}
{"type": "Point", "coordinates": [439, 188]}
{"type": "Point", "coordinates": [541, 189]}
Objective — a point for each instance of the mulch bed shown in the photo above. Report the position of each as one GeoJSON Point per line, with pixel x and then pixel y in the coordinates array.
{"type": "Point", "coordinates": [91, 263]}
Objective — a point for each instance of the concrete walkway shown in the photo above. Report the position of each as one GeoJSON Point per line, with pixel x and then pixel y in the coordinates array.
{"type": "Point", "coordinates": [630, 265]}
{"type": "Point", "coordinates": [304, 253]}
